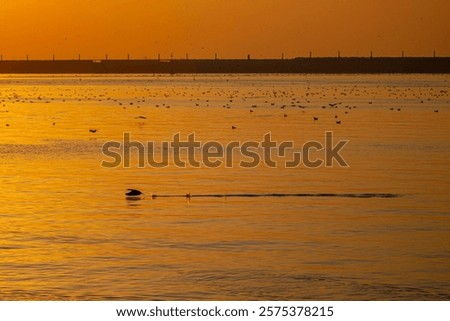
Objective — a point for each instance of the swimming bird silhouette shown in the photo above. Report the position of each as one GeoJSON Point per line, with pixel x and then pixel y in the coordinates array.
{"type": "Point", "coordinates": [133, 192]}
{"type": "Point", "coordinates": [93, 130]}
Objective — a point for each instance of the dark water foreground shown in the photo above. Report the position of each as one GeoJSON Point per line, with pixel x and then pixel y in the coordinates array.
{"type": "Point", "coordinates": [297, 65]}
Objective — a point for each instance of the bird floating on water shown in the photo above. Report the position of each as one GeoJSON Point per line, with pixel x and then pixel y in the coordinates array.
{"type": "Point", "coordinates": [133, 192]}
{"type": "Point", "coordinates": [93, 130]}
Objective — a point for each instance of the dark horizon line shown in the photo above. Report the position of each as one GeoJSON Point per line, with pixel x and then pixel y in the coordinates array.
{"type": "Point", "coordinates": [249, 65]}
{"type": "Point", "coordinates": [215, 59]}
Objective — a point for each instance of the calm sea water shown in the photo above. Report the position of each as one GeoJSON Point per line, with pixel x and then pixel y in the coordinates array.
{"type": "Point", "coordinates": [69, 233]}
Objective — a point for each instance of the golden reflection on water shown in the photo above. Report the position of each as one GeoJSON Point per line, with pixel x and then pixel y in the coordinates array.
{"type": "Point", "coordinates": [68, 232]}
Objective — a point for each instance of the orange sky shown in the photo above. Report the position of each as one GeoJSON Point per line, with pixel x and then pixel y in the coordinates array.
{"type": "Point", "coordinates": [230, 28]}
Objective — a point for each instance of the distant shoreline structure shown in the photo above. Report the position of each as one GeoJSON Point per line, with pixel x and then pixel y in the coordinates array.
{"type": "Point", "coordinates": [316, 65]}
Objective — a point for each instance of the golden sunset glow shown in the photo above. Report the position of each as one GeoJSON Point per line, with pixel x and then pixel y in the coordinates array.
{"type": "Point", "coordinates": [232, 28]}
{"type": "Point", "coordinates": [225, 150]}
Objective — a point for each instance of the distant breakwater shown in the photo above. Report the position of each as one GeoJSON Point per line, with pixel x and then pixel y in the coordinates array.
{"type": "Point", "coordinates": [283, 66]}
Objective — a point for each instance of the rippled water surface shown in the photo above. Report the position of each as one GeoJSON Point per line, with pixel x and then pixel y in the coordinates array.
{"type": "Point", "coordinates": [68, 232]}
